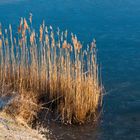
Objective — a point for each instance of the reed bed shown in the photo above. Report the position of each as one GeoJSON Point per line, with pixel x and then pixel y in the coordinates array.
{"type": "Point", "coordinates": [50, 68]}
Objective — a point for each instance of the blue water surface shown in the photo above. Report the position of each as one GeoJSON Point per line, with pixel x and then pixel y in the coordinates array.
{"type": "Point", "coordinates": [116, 26]}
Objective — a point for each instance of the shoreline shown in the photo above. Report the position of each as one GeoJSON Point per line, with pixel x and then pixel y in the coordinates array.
{"type": "Point", "coordinates": [10, 129]}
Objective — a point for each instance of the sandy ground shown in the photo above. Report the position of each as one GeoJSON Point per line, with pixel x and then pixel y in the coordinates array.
{"type": "Point", "coordinates": [10, 130]}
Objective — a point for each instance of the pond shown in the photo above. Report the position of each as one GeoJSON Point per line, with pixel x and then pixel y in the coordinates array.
{"type": "Point", "coordinates": [116, 27]}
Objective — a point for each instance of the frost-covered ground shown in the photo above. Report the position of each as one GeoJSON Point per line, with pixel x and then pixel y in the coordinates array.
{"type": "Point", "coordinates": [11, 130]}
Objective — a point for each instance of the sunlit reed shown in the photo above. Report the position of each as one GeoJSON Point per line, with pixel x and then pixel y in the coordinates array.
{"type": "Point", "coordinates": [49, 63]}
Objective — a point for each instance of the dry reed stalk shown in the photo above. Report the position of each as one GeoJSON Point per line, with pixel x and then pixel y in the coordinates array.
{"type": "Point", "coordinates": [51, 65]}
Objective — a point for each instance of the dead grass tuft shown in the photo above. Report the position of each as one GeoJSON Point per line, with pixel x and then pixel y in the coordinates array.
{"type": "Point", "coordinates": [47, 70]}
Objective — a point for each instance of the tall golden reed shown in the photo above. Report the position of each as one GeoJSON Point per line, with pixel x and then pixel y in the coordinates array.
{"type": "Point", "coordinates": [49, 65]}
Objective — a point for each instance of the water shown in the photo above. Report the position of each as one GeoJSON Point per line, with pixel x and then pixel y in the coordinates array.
{"type": "Point", "coordinates": [116, 27]}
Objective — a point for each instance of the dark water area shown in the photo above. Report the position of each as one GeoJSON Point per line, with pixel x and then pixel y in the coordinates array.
{"type": "Point", "coordinates": [116, 27]}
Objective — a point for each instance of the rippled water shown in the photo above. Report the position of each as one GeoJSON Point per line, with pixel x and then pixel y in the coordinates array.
{"type": "Point", "coordinates": [116, 27]}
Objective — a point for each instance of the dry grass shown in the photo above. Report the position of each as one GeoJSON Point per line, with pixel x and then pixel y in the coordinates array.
{"type": "Point", "coordinates": [48, 65]}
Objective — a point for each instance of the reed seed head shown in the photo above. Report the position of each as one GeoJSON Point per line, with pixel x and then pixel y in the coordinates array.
{"type": "Point", "coordinates": [0, 43]}
{"type": "Point", "coordinates": [32, 38]}
{"type": "Point", "coordinates": [41, 34]}
{"type": "Point", "coordinates": [64, 46]}
{"type": "Point", "coordinates": [30, 17]}
{"type": "Point", "coordinates": [25, 24]}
